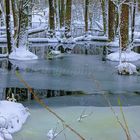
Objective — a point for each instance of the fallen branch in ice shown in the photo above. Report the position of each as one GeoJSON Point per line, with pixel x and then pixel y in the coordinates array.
{"type": "Point", "coordinates": [83, 115]}
{"type": "Point", "coordinates": [52, 134]}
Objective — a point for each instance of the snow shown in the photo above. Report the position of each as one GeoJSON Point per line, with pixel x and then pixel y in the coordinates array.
{"type": "Point", "coordinates": [126, 68]}
{"type": "Point", "coordinates": [113, 43]}
{"type": "Point", "coordinates": [3, 40]}
{"type": "Point", "coordinates": [51, 134]}
{"type": "Point", "coordinates": [125, 56]}
{"type": "Point", "coordinates": [38, 29]}
{"type": "Point", "coordinates": [90, 38]}
{"type": "Point", "coordinates": [12, 117]}
{"type": "Point", "coordinates": [44, 40]}
{"type": "Point", "coordinates": [40, 16]}
{"type": "Point", "coordinates": [3, 55]}
{"type": "Point", "coordinates": [22, 54]}
{"type": "Point", "coordinates": [54, 52]}
{"type": "Point", "coordinates": [53, 40]}
{"type": "Point", "coordinates": [70, 40]}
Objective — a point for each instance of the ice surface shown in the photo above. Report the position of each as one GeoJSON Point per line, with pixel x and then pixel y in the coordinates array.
{"type": "Point", "coordinates": [101, 125]}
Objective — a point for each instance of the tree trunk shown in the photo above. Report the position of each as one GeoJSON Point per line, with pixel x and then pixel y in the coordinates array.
{"type": "Point", "coordinates": [0, 18]}
{"type": "Point", "coordinates": [86, 15]}
{"type": "Point", "coordinates": [51, 16]}
{"type": "Point", "coordinates": [56, 13]}
{"type": "Point", "coordinates": [138, 5]}
{"type": "Point", "coordinates": [9, 44]}
{"type": "Point", "coordinates": [68, 18]}
{"type": "Point", "coordinates": [124, 26]}
{"type": "Point", "coordinates": [2, 13]}
{"type": "Point", "coordinates": [104, 15]}
{"type": "Point", "coordinates": [62, 11]}
{"type": "Point", "coordinates": [111, 20]}
{"type": "Point", "coordinates": [133, 21]}
{"type": "Point", "coordinates": [22, 24]}
{"type": "Point", "coordinates": [15, 18]}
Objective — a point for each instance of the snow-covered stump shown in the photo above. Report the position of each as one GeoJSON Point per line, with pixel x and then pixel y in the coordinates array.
{"type": "Point", "coordinates": [126, 68]}
{"type": "Point", "coordinates": [22, 53]}
{"type": "Point", "coordinates": [12, 117]}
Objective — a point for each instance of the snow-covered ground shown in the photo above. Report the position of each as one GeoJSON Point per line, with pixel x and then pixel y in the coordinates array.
{"type": "Point", "coordinates": [12, 117]}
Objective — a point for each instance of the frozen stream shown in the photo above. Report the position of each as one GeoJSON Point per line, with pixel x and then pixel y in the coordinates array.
{"type": "Point", "coordinates": [100, 125]}
{"type": "Point", "coordinates": [76, 72]}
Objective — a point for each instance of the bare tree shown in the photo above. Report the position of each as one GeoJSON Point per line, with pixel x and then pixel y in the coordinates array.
{"type": "Point", "coordinates": [2, 13]}
{"type": "Point", "coordinates": [62, 12]}
{"type": "Point", "coordinates": [68, 17]}
{"type": "Point", "coordinates": [22, 32]}
{"type": "Point", "coordinates": [124, 25]}
{"type": "Point", "coordinates": [51, 16]}
{"type": "Point", "coordinates": [0, 18]}
{"type": "Point", "coordinates": [111, 20]}
{"type": "Point", "coordinates": [104, 14]}
{"type": "Point", "coordinates": [86, 14]}
{"type": "Point", "coordinates": [15, 16]}
{"type": "Point", "coordinates": [133, 21]}
{"type": "Point", "coordinates": [7, 9]}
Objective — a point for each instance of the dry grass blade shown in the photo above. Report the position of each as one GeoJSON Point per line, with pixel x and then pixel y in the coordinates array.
{"type": "Point", "coordinates": [46, 107]}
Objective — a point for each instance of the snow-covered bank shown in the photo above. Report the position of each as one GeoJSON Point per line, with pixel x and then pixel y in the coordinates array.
{"type": "Point", "coordinates": [125, 56]}
{"type": "Point", "coordinates": [22, 54]}
{"type": "Point", "coordinates": [12, 117]}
